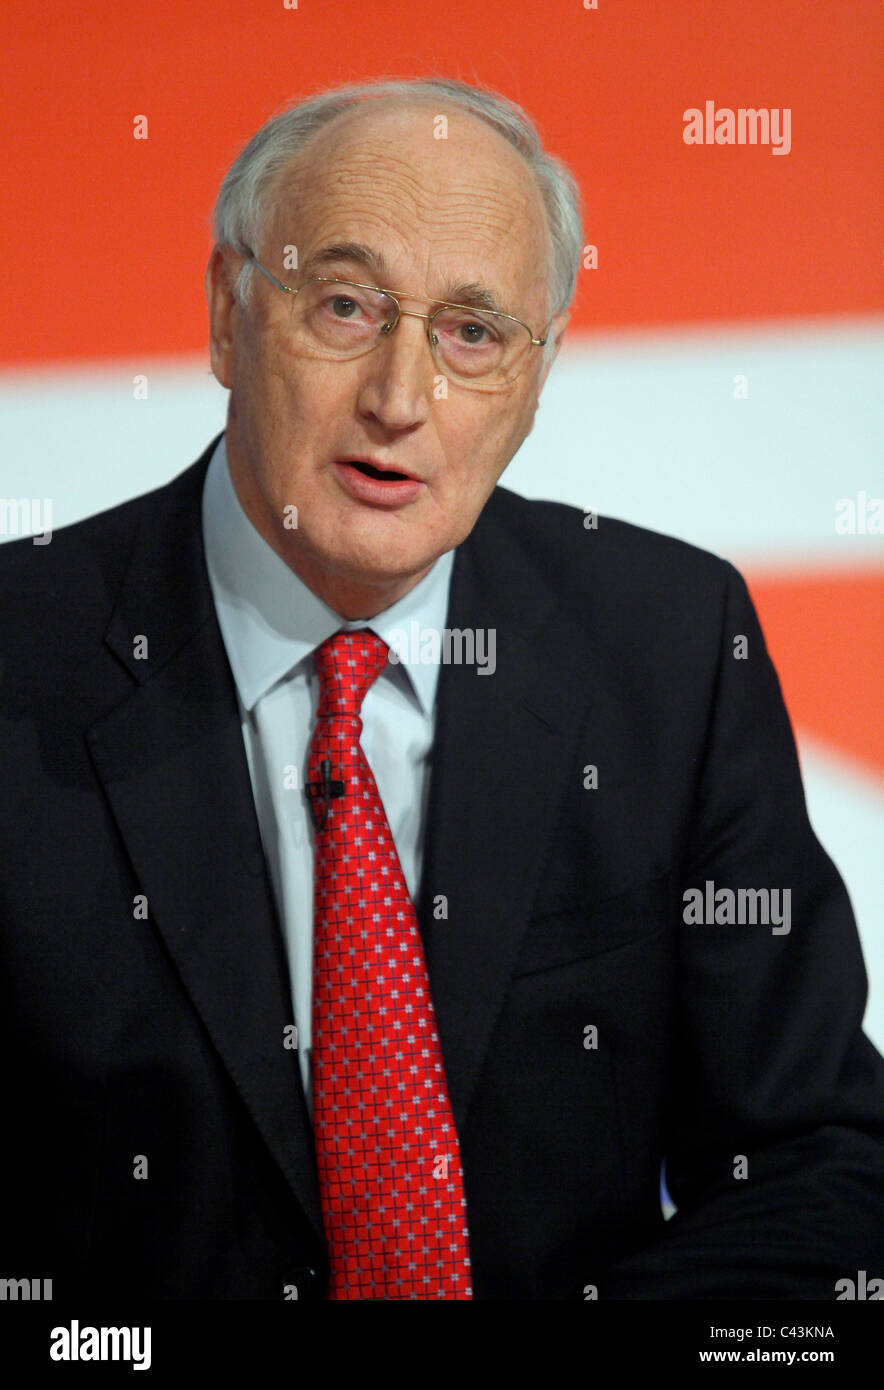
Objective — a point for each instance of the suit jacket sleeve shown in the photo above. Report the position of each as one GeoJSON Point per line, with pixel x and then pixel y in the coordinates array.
{"type": "Point", "coordinates": [772, 1064]}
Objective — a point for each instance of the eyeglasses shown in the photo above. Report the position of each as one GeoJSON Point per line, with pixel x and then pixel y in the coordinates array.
{"type": "Point", "coordinates": [340, 319]}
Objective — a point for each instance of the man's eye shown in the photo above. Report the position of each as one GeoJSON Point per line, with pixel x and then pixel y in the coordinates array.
{"type": "Point", "coordinates": [466, 333]}
{"type": "Point", "coordinates": [343, 307]}
{"type": "Point", "coordinates": [471, 334]}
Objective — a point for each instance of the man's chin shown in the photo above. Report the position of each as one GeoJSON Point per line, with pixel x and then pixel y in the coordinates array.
{"type": "Point", "coordinates": [380, 569]}
{"type": "Point", "coordinates": [378, 564]}
{"type": "Point", "coordinates": [382, 547]}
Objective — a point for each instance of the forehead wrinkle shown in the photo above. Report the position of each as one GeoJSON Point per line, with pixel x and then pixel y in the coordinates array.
{"type": "Point", "coordinates": [456, 212]}
{"type": "Point", "coordinates": [415, 177]}
{"type": "Point", "coordinates": [494, 228]}
{"type": "Point", "coordinates": [371, 222]}
{"type": "Point", "coordinates": [487, 224]}
{"type": "Point", "coordinates": [359, 182]}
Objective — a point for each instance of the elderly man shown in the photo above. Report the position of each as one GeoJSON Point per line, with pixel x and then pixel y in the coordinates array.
{"type": "Point", "coordinates": [398, 873]}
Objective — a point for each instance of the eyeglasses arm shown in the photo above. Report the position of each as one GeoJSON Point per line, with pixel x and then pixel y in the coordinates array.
{"type": "Point", "coordinates": [250, 255]}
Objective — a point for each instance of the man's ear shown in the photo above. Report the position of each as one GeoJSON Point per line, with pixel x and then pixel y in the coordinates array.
{"type": "Point", "coordinates": [221, 273]}
{"type": "Point", "coordinates": [557, 333]}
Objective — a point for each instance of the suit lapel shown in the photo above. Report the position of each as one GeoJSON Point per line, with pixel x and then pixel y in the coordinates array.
{"type": "Point", "coordinates": [173, 765]}
{"type": "Point", "coordinates": [505, 745]}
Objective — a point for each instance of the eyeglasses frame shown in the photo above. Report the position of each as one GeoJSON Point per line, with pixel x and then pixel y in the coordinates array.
{"type": "Point", "coordinates": [388, 329]}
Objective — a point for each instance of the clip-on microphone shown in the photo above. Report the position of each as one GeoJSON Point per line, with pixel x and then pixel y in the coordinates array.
{"type": "Point", "coordinates": [321, 793]}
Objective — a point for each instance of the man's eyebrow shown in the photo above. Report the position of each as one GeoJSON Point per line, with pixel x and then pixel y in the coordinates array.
{"type": "Point", "coordinates": [474, 295]}
{"type": "Point", "coordinates": [347, 251]}
{"type": "Point", "coordinates": [468, 292]}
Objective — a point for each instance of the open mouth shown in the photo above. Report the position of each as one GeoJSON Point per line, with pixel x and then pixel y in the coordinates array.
{"type": "Point", "coordinates": [383, 475]}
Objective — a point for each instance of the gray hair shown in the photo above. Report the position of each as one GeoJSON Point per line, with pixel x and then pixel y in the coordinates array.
{"type": "Point", "coordinates": [244, 199]}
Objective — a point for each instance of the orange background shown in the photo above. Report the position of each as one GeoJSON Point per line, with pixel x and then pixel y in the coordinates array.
{"type": "Point", "coordinates": [105, 237]}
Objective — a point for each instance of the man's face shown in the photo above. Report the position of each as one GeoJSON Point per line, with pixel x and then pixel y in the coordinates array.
{"type": "Point", "coordinates": [437, 215]}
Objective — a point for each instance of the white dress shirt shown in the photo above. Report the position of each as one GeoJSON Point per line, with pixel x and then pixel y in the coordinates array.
{"type": "Point", "coordinates": [271, 623]}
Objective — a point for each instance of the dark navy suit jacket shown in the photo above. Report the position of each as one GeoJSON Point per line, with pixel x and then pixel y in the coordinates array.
{"type": "Point", "coordinates": [162, 1035]}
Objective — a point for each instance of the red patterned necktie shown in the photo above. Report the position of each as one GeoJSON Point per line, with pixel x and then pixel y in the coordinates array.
{"type": "Point", "coordinates": [387, 1151]}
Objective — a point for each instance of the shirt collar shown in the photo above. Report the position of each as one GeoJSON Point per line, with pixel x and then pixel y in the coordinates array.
{"type": "Point", "coordinates": [270, 620]}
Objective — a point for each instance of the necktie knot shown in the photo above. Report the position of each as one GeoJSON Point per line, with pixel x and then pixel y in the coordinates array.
{"type": "Point", "coordinates": [348, 663]}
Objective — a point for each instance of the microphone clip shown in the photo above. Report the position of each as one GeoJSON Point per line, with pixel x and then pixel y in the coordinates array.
{"type": "Point", "coordinates": [320, 793]}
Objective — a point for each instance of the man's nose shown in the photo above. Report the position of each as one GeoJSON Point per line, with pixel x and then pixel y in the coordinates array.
{"type": "Point", "coordinates": [399, 374]}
